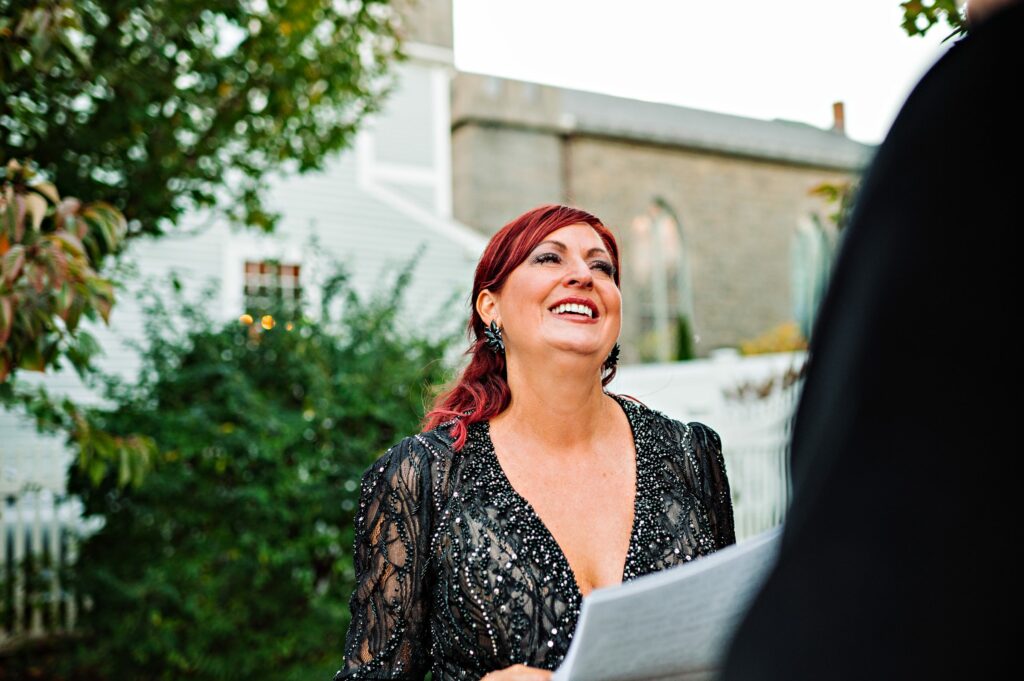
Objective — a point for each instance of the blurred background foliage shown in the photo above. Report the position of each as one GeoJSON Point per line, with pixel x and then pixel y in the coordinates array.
{"type": "Point", "coordinates": [920, 16]}
{"type": "Point", "coordinates": [232, 558]}
{"type": "Point", "coordinates": [786, 337]}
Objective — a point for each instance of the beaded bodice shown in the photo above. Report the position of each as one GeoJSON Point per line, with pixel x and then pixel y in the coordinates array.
{"type": "Point", "coordinates": [456, 573]}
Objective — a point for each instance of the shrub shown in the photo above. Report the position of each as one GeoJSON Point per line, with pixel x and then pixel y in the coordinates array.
{"type": "Point", "coordinates": [231, 560]}
{"type": "Point", "coordinates": [785, 337]}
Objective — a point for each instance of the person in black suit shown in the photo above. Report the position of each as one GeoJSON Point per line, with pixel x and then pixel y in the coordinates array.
{"type": "Point", "coordinates": [895, 549]}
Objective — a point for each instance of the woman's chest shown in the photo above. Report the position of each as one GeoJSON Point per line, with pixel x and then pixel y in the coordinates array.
{"type": "Point", "coordinates": [503, 588]}
{"type": "Point", "coordinates": [502, 592]}
{"type": "Point", "coordinates": [588, 511]}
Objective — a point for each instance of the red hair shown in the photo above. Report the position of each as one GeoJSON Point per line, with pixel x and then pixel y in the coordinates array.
{"type": "Point", "coordinates": [482, 389]}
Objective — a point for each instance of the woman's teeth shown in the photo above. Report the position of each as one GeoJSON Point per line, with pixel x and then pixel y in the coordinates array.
{"type": "Point", "coordinates": [574, 308]}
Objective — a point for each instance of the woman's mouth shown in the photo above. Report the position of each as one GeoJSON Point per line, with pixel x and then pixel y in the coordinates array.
{"type": "Point", "coordinates": [575, 308]}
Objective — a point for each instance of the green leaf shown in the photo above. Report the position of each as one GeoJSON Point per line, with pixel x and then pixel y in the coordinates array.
{"type": "Point", "coordinates": [32, 356]}
{"type": "Point", "coordinates": [74, 313]}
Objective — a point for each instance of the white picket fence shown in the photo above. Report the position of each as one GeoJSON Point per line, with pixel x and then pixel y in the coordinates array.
{"type": "Point", "coordinates": [755, 431]}
{"type": "Point", "coordinates": [755, 438]}
{"type": "Point", "coordinates": [38, 540]}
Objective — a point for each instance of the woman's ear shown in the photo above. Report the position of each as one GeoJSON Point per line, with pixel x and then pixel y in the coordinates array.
{"type": "Point", "coordinates": [487, 307]}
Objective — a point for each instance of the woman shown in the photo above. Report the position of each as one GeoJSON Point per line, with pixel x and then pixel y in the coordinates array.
{"type": "Point", "coordinates": [478, 539]}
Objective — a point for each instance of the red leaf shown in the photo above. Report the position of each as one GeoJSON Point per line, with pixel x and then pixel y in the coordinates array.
{"type": "Point", "coordinates": [19, 216]}
{"type": "Point", "coordinates": [6, 318]}
{"type": "Point", "coordinates": [12, 264]}
{"type": "Point", "coordinates": [71, 243]}
{"type": "Point", "coordinates": [66, 212]}
{"type": "Point", "coordinates": [36, 277]}
{"type": "Point", "coordinates": [59, 270]}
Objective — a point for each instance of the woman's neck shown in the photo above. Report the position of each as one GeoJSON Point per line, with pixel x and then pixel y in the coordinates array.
{"type": "Point", "coordinates": [562, 407]}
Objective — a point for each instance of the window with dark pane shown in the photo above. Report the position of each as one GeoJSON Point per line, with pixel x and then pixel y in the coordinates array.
{"type": "Point", "coordinates": [272, 286]}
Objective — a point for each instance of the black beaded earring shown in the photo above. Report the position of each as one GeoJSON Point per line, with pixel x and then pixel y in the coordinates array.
{"type": "Point", "coordinates": [492, 336]}
{"type": "Point", "coordinates": [613, 358]}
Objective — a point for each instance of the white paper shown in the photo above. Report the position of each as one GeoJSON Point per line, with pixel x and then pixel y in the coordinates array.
{"type": "Point", "coordinates": [673, 624]}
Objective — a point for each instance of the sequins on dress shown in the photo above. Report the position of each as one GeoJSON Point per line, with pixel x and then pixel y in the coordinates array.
{"type": "Point", "coordinates": [457, 575]}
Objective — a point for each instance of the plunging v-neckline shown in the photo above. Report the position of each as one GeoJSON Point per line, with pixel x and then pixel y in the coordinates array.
{"type": "Point", "coordinates": [560, 553]}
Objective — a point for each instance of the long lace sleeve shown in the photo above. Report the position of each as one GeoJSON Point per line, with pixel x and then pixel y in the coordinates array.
{"type": "Point", "coordinates": [387, 637]}
{"type": "Point", "coordinates": [709, 479]}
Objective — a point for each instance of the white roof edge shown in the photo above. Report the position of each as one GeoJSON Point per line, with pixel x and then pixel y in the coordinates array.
{"type": "Point", "coordinates": [466, 236]}
{"type": "Point", "coordinates": [430, 53]}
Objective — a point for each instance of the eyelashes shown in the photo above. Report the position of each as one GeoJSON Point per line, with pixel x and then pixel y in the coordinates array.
{"type": "Point", "coordinates": [599, 265]}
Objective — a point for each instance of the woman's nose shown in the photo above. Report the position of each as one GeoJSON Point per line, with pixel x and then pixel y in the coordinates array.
{"type": "Point", "coordinates": [580, 275]}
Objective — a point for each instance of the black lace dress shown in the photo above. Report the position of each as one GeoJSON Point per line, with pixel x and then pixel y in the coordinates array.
{"type": "Point", "coordinates": [457, 575]}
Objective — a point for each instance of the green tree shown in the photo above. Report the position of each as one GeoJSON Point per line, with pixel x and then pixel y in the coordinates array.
{"type": "Point", "coordinates": [232, 559]}
{"type": "Point", "coordinates": [148, 112]}
{"type": "Point", "coordinates": [920, 16]}
{"type": "Point", "coordinates": [160, 108]}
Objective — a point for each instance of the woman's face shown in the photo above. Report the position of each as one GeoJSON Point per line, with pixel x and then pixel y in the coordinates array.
{"type": "Point", "coordinates": [562, 297]}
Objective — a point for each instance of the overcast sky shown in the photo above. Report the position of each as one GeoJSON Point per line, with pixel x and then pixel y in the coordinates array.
{"type": "Point", "coordinates": [764, 59]}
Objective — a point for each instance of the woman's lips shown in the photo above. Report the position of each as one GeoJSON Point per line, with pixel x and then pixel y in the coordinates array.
{"type": "Point", "coordinates": [573, 317]}
{"type": "Point", "coordinates": [576, 306]}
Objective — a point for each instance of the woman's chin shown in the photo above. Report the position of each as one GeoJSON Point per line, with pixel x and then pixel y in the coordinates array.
{"type": "Point", "coordinates": [573, 348]}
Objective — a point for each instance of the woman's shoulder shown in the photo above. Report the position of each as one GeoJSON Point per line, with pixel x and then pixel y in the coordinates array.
{"type": "Point", "coordinates": [667, 428]}
{"type": "Point", "coordinates": [420, 455]}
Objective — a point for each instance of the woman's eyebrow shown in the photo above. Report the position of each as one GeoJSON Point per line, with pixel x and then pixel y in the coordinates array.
{"type": "Point", "coordinates": [562, 247]}
{"type": "Point", "coordinates": [557, 244]}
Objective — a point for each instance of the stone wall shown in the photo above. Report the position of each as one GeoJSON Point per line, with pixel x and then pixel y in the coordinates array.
{"type": "Point", "coordinates": [737, 217]}
{"type": "Point", "coordinates": [514, 147]}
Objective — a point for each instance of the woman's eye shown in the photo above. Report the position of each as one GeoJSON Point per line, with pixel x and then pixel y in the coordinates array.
{"type": "Point", "coordinates": [604, 266]}
{"type": "Point", "coordinates": [547, 257]}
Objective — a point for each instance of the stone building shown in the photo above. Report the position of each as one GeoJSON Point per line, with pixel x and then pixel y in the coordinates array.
{"type": "Point", "coordinates": [713, 211]}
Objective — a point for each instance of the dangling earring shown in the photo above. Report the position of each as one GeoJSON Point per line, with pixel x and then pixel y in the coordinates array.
{"type": "Point", "coordinates": [492, 335]}
{"type": "Point", "coordinates": [613, 358]}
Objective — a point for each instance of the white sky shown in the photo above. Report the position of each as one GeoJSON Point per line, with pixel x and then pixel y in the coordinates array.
{"type": "Point", "coordinates": [760, 58]}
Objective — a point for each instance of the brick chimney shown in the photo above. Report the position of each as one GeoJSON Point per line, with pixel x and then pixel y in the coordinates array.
{"type": "Point", "coordinates": [838, 118]}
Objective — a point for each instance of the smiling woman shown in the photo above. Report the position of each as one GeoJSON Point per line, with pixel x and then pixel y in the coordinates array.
{"type": "Point", "coordinates": [478, 539]}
